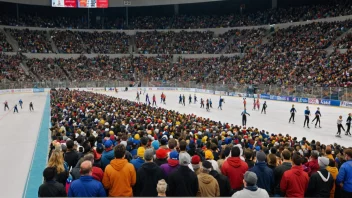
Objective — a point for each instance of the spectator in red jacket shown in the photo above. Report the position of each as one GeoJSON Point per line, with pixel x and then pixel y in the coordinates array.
{"type": "Point", "coordinates": [312, 165]}
{"type": "Point", "coordinates": [294, 182]}
{"type": "Point", "coordinates": [234, 168]}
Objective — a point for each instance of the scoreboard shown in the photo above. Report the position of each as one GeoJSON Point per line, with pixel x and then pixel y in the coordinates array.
{"type": "Point", "coordinates": [80, 3]}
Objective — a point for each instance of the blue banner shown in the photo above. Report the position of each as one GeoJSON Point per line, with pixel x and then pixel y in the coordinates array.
{"type": "Point", "coordinates": [265, 96]}
{"type": "Point", "coordinates": [281, 98]}
{"type": "Point", "coordinates": [302, 100]}
{"type": "Point", "coordinates": [273, 97]}
{"type": "Point", "coordinates": [38, 90]}
{"type": "Point", "coordinates": [325, 102]}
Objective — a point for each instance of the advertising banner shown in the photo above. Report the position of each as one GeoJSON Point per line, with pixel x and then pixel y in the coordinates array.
{"type": "Point", "coordinates": [313, 101]}
{"type": "Point", "coordinates": [38, 90]}
{"type": "Point", "coordinates": [302, 100]}
{"type": "Point", "coordinates": [346, 104]}
{"type": "Point", "coordinates": [273, 97]}
{"type": "Point", "coordinates": [265, 96]}
{"type": "Point", "coordinates": [281, 98]}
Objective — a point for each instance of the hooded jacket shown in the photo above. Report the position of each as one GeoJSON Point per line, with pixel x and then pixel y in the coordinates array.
{"type": "Point", "coordinates": [265, 176]}
{"type": "Point", "coordinates": [234, 168]}
{"type": "Point", "coordinates": [148, 176]}
{"type": "Point", "coordinates": [169, 167]}
{"type": "Point", "coordinates": [278, 172]}
{"type": "Point", "coordinates": [106, 157]}
{"type": "Point", "coordinates": [208, 186]}
{"type": "Point", "coordinates": [313, 166]}
{"type": "Point", "coordinates": [137, 163]}
{"type": "Point", "coordinates": [86, 186]}
{"type": "Point", "coordinates": [182, 182]}
{"type": "Point", "coordinates": [248, 193]}
{"type": "Point", "coordinates": [224, 183]}
{"type": "Point", "coordinates": [333, 171]}
{"type": "Point", "coordinates": [345, 176]}
{"type": "Point", "coordinates": [119, 177]}
{"type": "Point", "coordinates": [320, 184]}
{"type": "Point", "coordinates": [294, 182]}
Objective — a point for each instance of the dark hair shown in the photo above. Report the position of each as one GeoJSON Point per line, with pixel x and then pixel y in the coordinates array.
{"type": "Point", "coordinates": [331, 162]}
{"type": "Point", "coordinates": [314, 155]}
{"type": "Point", "coordinates": [348, 152]}
{"type": "Point", "coordinates": [248, 153]}
{"type": "Point", "coordinates": [183, 145]}
{"type": "Point", "coordinates": [49, 173]}
{"type": "Point", "coordinates": [235, 151]}
{"type": "Point", "coordinates": [286, 154]}
{"type": "Point", "coordinates": [119, 151]}
{"type": "Point", "coordinates": [69, 144]}
{"type": "Point", "coordinates": [273, 150]}
{"type": "Point", "coordinates": [297, 159]}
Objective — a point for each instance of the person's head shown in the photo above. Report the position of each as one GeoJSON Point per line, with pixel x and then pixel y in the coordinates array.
{"type": "Point", "coordinates": [184, 159]}
{"type": "Point", "coordinates": [89, 157]}
{"type": "Point", "coordinates": [209, 155]}
{"type": "Point", "coordinates": [323, 162]}
{"type": "Point", "coordinates": [314, 155]}
{"type": "Point", "coordinates": [206, 167]}
{"type": "Point", "coordinates": [250, 179]}
{"type": "Point", "coordinates": [297, 159]}
{"type": "Point", "coordinates": [57, 160]}
{"type": "Point", "coordinates": [119, 151]}
{"type": "Point", "coordinates": [332, 163]}
{"type": "Point", "coordinates": [69, 144]}
{"type": "Point", "coordinates": [286, 155]}
{"type": "Point", "coordinates": [348, 154]}
{"type": "Point", "coordinates": [260, 156]}
{"type": "Point", "coordinates": [172, 143]}
{"type": "Point", "coordinates": [149, 155]}
{"type": "Point", "coordinates": [307, 108]}
{"type": "Point", "coordinates": [272, 160]}
{"type": "Point", "coordinates": [340, 117]}
{"type": "Point", "coordinates": [183, 145]}
{"type": "Point", "coordinates": [235, 151]}
{"type": "Point", "coordinates": [86, 168]}
{"type": "Point", "coordinates": [144, 141]}
{"type": "Point", "coordinates": [195, 162]}
{"type": "Point", "coordinates": [49, 173]}
{"type": "Point", "coordinates": [161, 186]}
{"type": "Point", "coordinates": [248, 153]}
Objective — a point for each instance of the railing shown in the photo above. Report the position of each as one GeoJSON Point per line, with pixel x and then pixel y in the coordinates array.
{"type": "Point", "coordinates": [331, 93]}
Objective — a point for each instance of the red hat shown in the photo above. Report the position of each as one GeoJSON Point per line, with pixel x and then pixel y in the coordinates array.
{"type": "Point", "coordinates": [161, 153]}
{"type": "Point", "coordinates": [195, 159]}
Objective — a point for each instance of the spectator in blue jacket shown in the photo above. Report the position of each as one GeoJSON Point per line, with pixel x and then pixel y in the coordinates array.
{"type": "Point", "coordinates": [264, 173]}
{"type": "Point", "coordinates": [108, 154]}
{"type": "Point", "coordinates": [344, 177]}
{"type": "Point", "coordinates": [86, 185]}
{"type": "Point", "coordinates": [139, 161]}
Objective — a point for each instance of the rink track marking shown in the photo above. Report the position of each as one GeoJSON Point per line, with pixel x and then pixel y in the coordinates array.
{"type": "Point", "coordinates": [39, 161]}
{"type": "Point", "coordinates": [9, 111]}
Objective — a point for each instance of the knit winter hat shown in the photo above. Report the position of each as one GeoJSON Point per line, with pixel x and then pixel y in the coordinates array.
{"type": "Point", "coordinates": [209, 154]}
{"type": "Point", "coordinates": [323, 162]}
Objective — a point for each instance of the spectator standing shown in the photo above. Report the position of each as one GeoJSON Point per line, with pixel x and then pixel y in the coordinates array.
{"type": "Point", "coordinates": [172, 164]}
{"type": "Point", "coordinates": [183, 182]}
{"type": "Point", "coordinates": [139, 161]}
{"type": "Point", "coordinates": [86, 185]}
{"type": "Point", "coordinates": [280, 170]}
{"type": "Point", "coordinates": [264, 173]}
{"type": "Point", "coordinates": [108, 154]}
{"type": "Point", "coordinates": [248, 154]}
{"type": "Point", "coordinates": [294, 182]}
{"type": "Point", "coordinates": [71, 156]}
{"type": "Point", "coordinates": [251, 190]}
{"type": "Point", "coordinates": [161, 157]}
{"type": "Point", "coordinates": [50, 187]}
{"type": "Point", "coordinates": [333, 171]}
{"type": "Point", "coordinates": [321, 182]}
{"type": "Point", "coordinates": [57, 160]}
{"type": "Point", "coordinates": [344, 178]}
{"type": "Point", "coordinates": [224, 183]}
{"type": "Point", "coordinates": [148, 176]}
{"type": "Point", "coordinates": [196, 163]}
{"type": "Point", "coordinates": [97, 172]}
{"type": "Point", "coordinates": [312, 165]}
{"type": "Point", "coordinates": [210, 157]}
{"type": "Point", "coordinates": [208, 185]}
{"type": "Point", "coordinates": [119, 175]}
{"type": "Point", "coordinates": [234, 168]}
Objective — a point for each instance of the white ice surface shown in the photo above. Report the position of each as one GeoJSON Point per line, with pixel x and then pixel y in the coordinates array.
{"type": "Point", "coordinates": [275, 121]}
{"type": "Point", "coordinates": [18, 134]}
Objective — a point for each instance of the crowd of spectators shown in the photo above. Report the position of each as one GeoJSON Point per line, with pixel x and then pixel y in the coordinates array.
{"type": "Point", "coordinates": [31, 41]}
{"type": "Point", "coordinates": [107, 146]}
{"type": "Point", "coordinates": [68, 42]}
{"type": "Point", "coordinates": [245, 39]}
{"type": "Point", "coordinates": [105, 42]}
{"type": "Point", "coordinates": [154, 42]}
{"type": "Point", "coordinates": [4, 45]}
{"type": "Point", "coordinates": [307, 37]}
{"type": "Point", "coordinates": [154, 68]}
{"type": "Point", "coordinates": [11, 69]}
{"type": "Point", "coordinates": [46, 69]}
{"type": "Point", "coordinates": [344, 43]}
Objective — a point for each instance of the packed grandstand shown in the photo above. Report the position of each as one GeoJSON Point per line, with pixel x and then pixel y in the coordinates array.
{"type": "Point", "coordinates": [106, 146]}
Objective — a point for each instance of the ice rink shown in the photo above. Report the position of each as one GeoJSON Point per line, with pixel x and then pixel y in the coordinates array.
{"type": "Point", "coordinates": [275, 121]}
{"type": "Point", "coordinates": [19, 134]}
